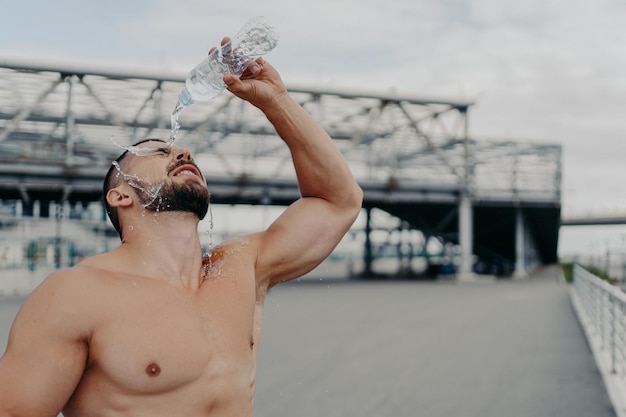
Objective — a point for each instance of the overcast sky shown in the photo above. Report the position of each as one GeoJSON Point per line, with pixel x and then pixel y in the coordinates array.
{"type": "Point", "coordinates": [541, 70]}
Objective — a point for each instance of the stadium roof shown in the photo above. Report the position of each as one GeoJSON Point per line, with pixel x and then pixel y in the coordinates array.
{"type": "Point", "coordinates": [74, 121]}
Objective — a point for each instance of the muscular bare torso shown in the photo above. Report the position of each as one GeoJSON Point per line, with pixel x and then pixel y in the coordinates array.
{"type": "Point", "coordinates": [159, 350]}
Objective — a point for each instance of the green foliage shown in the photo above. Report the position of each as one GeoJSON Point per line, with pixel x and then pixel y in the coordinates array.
{"type": "Point", "coordinates": [568, 271]}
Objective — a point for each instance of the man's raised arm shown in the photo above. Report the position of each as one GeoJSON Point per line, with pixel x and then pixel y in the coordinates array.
{"type": "Point", "coordinates": [306, 233]}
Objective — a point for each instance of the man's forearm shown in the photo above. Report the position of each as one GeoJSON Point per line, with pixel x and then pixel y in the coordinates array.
{"type": "Point", "coordinates": [321, 169]}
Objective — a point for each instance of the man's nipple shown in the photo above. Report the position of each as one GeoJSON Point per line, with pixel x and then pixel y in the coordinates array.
{"type": "Point", "coordinates": [153, 369]}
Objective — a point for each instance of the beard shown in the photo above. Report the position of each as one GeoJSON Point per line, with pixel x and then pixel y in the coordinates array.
{"type": "Point", "coordinates": [188, 197]}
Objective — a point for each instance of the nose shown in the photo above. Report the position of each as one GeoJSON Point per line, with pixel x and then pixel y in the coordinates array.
{"type": "Point", "coordinates": [182, 154]}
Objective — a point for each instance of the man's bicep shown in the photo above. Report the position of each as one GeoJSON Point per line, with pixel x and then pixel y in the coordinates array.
{"type": "Point", "coordinates": [300, 239]}
{"type": "Point", "coordinates": [43, 362]}
{"type": "Point", "coordinates": [39, 381]}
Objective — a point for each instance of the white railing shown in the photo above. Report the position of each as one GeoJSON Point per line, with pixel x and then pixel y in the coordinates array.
{"type": "Point", "coordinates": [601, 310]}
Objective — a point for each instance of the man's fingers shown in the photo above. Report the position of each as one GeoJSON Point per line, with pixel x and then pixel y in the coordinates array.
{"type": "Point", "coordinates": [238, 87]}
{"type": "Point", "coordinates": [254, 68]}
{"type": "Point", "coordinates": [225, 40]}
{"type": "Point", "coordinates": [230, 80]}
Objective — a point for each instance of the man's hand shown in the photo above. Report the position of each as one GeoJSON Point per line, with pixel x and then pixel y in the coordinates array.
{"type": "Point", "coordinates": [260, 84]}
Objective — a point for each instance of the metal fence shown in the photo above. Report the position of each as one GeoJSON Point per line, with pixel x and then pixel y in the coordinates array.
{"type": "Point", "coordinates": [601, 309]}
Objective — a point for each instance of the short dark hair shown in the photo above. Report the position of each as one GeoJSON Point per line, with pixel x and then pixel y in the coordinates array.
{"type": "Point", "coordinates": [113, 178]}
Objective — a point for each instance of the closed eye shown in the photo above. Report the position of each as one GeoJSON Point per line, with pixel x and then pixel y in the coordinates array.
{"type": "Point", "coordinates": [164, 150]}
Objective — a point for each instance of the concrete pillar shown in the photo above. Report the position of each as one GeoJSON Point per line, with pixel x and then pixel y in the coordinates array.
{"type": "Point", "coordinates": [466, 235]}
{"type": "Point", "coordinates": [520, 244]}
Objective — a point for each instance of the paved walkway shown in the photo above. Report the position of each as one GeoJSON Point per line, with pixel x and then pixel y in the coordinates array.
{"type": "Point", "coordinates": [433, 349]}
{"type": "Point", "coordinates": [501, 349]}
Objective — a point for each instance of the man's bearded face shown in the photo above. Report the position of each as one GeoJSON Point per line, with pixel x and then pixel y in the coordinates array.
{"type": "Point", "coordinates": [172, 196]}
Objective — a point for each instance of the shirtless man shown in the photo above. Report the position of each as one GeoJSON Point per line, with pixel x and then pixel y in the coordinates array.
{"type": "Point", "coordinates": [147, 329]}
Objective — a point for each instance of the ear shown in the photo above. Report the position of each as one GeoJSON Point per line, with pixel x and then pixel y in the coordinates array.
{"type": "Point", "coordinates": [117, 197]}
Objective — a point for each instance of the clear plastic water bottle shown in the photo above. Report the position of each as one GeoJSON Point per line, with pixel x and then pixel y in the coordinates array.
{"type": "Point", "coordinates": [204, 82]}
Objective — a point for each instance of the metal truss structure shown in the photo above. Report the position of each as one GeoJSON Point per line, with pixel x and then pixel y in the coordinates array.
{"type": "Point", "coordinates": [61, 127]}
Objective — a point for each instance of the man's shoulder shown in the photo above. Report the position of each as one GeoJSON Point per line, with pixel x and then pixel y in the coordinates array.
{"type": "Point", "coordinates": [77, 282]}
{"type": "Point", "coordinates": [89, 268]}
{"type": "Point", "coordinates": [238, 245]}
{"type": "Point", "coordinates": [72, 299]}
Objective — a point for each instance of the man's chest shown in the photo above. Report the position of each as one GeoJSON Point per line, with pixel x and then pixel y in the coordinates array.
{"type": "Point", "coordinates": [161, 341]}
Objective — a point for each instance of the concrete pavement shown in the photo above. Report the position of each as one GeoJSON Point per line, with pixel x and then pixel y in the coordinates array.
{"type": "Point", "coordinates": [509, 348]}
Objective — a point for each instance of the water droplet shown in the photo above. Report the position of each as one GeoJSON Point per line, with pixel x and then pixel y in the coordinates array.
{"type": "Point", "coordinates": [210, 225]}
{"type": "Point", "coordinates": [142, 185]}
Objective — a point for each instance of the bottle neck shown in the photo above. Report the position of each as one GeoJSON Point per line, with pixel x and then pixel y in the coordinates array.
{"type": "Point", "coordinates": [184, 98]}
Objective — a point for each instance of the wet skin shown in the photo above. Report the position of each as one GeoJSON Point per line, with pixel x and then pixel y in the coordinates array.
{"type": "Point", "coordinates": [153, 343]}
{"type": "Point", "coordinates": [159, 348]}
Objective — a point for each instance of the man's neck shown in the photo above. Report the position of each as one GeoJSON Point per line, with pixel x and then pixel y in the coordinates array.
{"type": "Point", "coordinates": [166, 245]}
